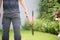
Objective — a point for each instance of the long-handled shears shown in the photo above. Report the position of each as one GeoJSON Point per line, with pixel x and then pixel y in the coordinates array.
{"type": "Point", "coordinates": [32, 22]}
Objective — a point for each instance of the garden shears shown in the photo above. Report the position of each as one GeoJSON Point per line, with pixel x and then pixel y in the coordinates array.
{"type": "Point", "coordinates": [32, 22]}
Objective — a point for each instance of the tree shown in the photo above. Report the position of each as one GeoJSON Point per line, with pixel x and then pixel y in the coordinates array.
{"type": "Point", "coordinates": [47, 8]}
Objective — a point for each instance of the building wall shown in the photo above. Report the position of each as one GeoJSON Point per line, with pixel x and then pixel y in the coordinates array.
{"type": "Point", "coordinates": [31, 5]}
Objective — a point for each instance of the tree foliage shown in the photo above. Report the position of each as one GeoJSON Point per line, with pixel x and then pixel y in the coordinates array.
{"type": "Point", "coordinates": [47, 8]}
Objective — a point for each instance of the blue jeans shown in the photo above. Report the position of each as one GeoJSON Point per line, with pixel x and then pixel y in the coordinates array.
{"type": "Point", "coordinates": [6, 21]}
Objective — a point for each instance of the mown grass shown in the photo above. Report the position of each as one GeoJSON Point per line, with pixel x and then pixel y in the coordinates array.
{"type": "Point", "coordinates": [26, 35]}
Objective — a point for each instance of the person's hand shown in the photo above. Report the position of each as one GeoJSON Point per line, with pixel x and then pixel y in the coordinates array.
{"type": "Point", "coordinates": [26, 13]}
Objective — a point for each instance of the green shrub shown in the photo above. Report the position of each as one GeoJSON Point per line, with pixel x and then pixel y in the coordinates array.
{"type": "Point", "coordinates": [26, 26]}
{"type": "Point", "coordinates": [43, 25]}
{"type": "Point", "coordinates": [47, 26]}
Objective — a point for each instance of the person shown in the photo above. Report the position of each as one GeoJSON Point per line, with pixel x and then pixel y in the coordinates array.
{"type": "Point", "coordinates": [11, 13]}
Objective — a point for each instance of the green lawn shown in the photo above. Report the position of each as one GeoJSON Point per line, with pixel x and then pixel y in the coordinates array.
{"type": "Point", "coordinates": [26, 35]}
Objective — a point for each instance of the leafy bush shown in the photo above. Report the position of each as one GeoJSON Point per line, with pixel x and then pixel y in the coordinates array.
{"type": "Point", "coordinates": [26, 26]}
{"type": "Point", "coordinates": [48, 8]}
{"type": "Point", "coordinates": [44, 26]}
{"type": "Point", "coordinates": [47, 26]}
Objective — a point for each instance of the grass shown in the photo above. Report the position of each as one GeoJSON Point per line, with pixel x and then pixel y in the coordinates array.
{"type": "Point", "coordinates": [26, 35]}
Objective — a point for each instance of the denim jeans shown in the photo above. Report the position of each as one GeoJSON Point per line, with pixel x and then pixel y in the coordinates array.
{"type": "Point", "coordinates": [6, 21]}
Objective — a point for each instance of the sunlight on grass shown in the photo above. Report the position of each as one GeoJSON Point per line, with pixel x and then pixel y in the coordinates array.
{"type": "Point", "coordinates": [38, 36]}
{"type": "Point", "coordinates": [27, 35]}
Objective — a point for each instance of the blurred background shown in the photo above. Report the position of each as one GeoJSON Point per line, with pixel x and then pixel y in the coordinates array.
{"type": "Point", "coordinates": [45, 26]}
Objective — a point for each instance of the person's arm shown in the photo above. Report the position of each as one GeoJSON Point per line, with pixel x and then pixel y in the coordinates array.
{"type": "Point", "coordinates": [24, 6]}
{"type": "Point", "coordinates": [0, 7]}
{"type": "Point", "coordinates": [25, 9]}
{"type": "Point", "coordinates": [0, 3]}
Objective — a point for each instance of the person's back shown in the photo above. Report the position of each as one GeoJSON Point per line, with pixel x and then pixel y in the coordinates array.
{"type": "Point", "coordinates": [10, 6]}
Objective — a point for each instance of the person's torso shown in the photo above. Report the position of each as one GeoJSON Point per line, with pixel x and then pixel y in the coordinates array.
{"type": "Point", "coordinates": [10, 6]}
